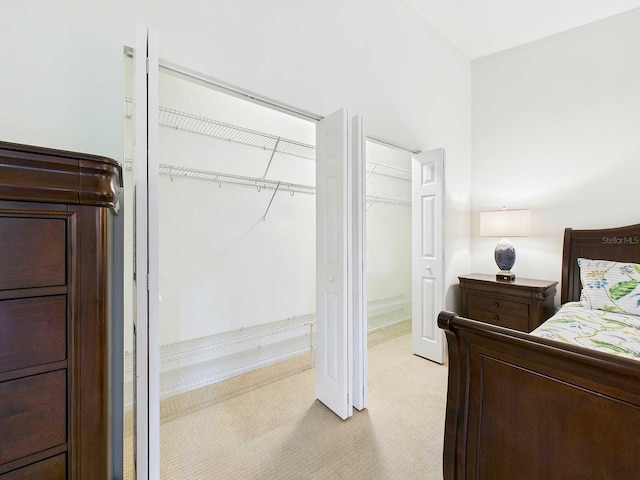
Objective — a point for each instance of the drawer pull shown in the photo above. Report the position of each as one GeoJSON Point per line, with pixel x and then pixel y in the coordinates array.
{"type": "Point", "coordinates": [496, 318]}
{"type": "Point", "coordinates": [495, 304]}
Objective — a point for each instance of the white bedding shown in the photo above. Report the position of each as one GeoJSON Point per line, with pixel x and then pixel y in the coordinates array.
{"type": "Point", "coordinates": [609, 332]}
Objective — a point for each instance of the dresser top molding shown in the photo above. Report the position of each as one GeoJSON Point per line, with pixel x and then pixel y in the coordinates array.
{"type": "Point", "coordinates": [38, 174]}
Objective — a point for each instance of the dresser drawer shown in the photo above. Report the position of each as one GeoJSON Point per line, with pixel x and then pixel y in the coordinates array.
{"type": "Point", "coordinates": [54, 468]}
{"type": "Point", "coordinates": [33, 414]}
{"type": "Point", "coordinates": [498, 305]}
{"type": "Point", "coordinates": [500, 319]}
{"type": "Point", "coordinates": [33, 331]}
{"type": "Point", "coordinates": [33, 252]}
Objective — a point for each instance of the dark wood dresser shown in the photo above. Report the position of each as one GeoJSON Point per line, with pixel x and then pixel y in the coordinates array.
{"type": "Point", "coordinates": [56, 212]}
{"type": "Point", "coordinates": [522, 304]}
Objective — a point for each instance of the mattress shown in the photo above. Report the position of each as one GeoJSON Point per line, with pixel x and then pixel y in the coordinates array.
{"type": "Point", "coordinates": [609, 332]}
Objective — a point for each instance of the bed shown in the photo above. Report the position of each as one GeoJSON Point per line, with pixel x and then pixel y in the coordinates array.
{"type": "Point", "coordinates": [531, 406]}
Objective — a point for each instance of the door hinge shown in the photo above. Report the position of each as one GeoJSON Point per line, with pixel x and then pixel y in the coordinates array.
{"type": "Point", "coordinates": [147, 282]}
{"type": "Point", "coordinates": [147, 65]}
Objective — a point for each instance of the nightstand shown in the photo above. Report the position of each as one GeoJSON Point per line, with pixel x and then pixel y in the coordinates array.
{"type": "Point", "coordinates": [521, 304]}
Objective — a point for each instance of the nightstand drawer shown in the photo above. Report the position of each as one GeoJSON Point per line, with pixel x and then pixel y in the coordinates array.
{"type": "Point", "coordinates": [499, 306]}
{"type": "Point", "coordinates": [502, 320]}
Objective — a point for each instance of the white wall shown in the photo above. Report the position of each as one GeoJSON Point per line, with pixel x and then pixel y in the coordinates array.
{"type": "Point", "coordinates": [388, 226]}
{"type": "Point", "coordinates": [221, 266]}
{"type": "Point", "coordinates": [62, 78]}
{"type": "Point", "coordinates": [555, 129]}
{"type": "Point", "coordinates": [62, 81]}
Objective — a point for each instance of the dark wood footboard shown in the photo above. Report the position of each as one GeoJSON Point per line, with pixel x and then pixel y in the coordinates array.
{"type": "Point", "coordinates": [523, 407]}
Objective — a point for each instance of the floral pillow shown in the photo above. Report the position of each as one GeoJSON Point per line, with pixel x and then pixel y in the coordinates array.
{"type": "Point", "coordinates": [610, 286]}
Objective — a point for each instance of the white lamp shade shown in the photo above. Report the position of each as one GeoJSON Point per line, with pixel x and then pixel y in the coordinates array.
{"type": "Point", "coordinates": [505, 223]}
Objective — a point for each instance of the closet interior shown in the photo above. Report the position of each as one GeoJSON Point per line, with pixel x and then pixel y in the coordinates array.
{"type": "Point", "coordinates": [237, 239]}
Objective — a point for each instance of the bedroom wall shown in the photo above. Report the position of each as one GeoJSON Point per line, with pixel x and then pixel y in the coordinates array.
{"type": "Point", "coordinates": [62, 82]}
{"type": "Point", "coordinates": [555, 129]}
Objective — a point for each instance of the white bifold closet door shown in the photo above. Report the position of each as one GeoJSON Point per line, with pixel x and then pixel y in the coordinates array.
{"type": "Point", "coordinates": [339, 279]}
{"type": "Point", "coordinates": [359, 264]}
{"type": "Point", "coordinates": [427, 253]}
{"type": "Point", "coordinates": [146, 170]}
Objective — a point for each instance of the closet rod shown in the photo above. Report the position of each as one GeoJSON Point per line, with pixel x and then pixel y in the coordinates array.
{"type": "Point", "coordinates": [387, 201]}
{"type": "Point", "coordinates": [230, 178]}
{"type": "Point", "coordinates": [255, 182]}
{"type": "Point", "coordinates": [238, 92]}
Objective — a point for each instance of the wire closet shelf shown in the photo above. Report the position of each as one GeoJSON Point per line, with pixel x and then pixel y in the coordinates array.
{"type": "Point", "coordinates": [179, 120]}
{"type": "Point", "coordinates": [233, 133]}
{"type": "Point", "coordinates": [258, 183]}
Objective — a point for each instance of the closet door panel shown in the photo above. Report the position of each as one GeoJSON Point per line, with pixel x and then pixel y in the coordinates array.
{"type": "Point", "coordinates": [428, 253]}
{"type": "Point", "coordinates": [358, 179]}
{"type": "Point", "coordinates": [141, 265]}
{"type": "Point", "coordinates": [334, 322]}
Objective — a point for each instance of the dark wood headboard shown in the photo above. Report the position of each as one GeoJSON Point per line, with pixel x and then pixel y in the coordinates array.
{"type": "Point", "coordinates": [620, 244]}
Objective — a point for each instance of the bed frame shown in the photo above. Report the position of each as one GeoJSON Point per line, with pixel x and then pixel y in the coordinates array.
{"type": "Point", "coordinates": [524, 407]}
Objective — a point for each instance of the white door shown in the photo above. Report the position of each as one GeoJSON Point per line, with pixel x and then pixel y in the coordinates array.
{"type": "Point", "coordinates": [334, 321]}
{"type": "Point", "coordinates": [359, 266]}
{"type": "Point", "coordinates": [147, 392]}
{"type": "Point", "coordinates": [427, 255]}
{"type": "Point", "coordinates": [153, 107]}
{"type": "Point", "coordinates": [141, 388]}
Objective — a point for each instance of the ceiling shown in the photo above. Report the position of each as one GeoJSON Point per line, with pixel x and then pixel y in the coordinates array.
{"type": "Point", "coordinates": [482, 27]}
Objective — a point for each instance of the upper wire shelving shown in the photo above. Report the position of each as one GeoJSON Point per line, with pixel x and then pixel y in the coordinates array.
{"type": "Point", "coordinates": [189, 122]}
{"type": "Point", "coordinates": [233, 133]}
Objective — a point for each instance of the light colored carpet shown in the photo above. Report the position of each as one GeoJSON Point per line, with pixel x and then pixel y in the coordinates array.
{"type": "Point", "coordinates": [278, 430]}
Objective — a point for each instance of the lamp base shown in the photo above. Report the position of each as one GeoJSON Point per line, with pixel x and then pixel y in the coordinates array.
{"type": "Point", "coordinates": [505, 275]}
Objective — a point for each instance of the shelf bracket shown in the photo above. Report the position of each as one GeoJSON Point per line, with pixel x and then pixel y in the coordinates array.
{"type": "Point", "coordinates": [264, 217]}
{"type": "Point", "coordinates": [275, 148]}
{"type": "Point", "coordinates": [372, 170]}
{"type": "Point", "coordinates": [372, 202]}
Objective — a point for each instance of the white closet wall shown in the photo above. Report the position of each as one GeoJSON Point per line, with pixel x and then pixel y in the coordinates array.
{"type": "Point", "coordinates": [388, 236]}
{"type": "Point", "coordinates": [221, 266]}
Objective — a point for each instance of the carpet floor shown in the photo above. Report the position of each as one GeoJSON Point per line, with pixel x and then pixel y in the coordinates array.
{"type": "Point", "coordinates": [276, 429]}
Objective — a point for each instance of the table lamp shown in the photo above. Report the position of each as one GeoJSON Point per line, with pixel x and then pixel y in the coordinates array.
{"type": "Point", "coordinates": [505, 223]}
